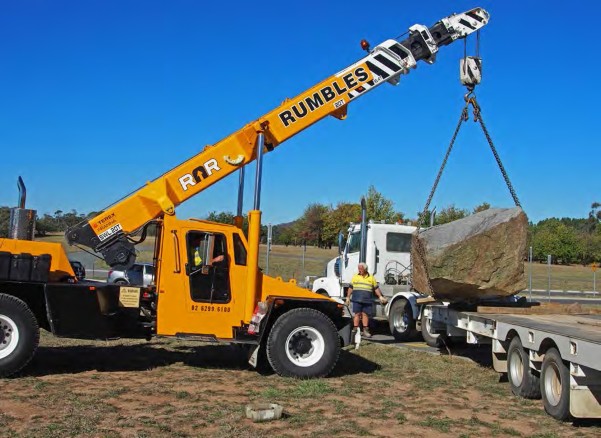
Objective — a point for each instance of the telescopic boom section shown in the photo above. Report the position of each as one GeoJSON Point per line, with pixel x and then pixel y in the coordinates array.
{"type": "Point", "coordinates": [108, 232]}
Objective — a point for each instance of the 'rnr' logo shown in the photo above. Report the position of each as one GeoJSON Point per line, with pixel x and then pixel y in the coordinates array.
{"type": "Point", "coordinates": [198, 174]}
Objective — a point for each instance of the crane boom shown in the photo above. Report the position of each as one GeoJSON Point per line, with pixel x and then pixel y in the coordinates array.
{"type": "Point", "coordinates": [109, 232]}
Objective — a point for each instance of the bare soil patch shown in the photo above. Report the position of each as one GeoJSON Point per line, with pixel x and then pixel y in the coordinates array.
{"type": "Point", "coordinates": [171, 388]}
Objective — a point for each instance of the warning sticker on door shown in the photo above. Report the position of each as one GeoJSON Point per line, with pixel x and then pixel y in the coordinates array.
{"type": "Point", "coordinates": [129, 296]}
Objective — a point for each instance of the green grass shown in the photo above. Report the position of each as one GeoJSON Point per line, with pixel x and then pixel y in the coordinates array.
{"type": "Point", "coordinates": [574, 277]}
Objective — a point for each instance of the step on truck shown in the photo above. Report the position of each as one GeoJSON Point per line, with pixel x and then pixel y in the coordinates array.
{"type": "Point", "coordinates": [208, 285]}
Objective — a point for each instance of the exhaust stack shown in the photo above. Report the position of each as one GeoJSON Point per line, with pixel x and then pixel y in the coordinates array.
{"type": "Point", "coordinates": [22, 220]}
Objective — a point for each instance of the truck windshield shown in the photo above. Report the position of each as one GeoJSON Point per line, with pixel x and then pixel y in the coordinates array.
{"type": "Point", "coordinates": [354, 242]}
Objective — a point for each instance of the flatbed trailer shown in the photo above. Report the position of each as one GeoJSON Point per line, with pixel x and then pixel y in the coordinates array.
{"type": "Point", "coordinates": [556, 357]}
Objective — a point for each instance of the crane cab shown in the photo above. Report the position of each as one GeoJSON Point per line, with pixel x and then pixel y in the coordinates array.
{"type": "Point", "coordinates": [202, 283]}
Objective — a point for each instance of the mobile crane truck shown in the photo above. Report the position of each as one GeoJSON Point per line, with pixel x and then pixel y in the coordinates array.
{"type": "Point", "coordinates": [299, 332]}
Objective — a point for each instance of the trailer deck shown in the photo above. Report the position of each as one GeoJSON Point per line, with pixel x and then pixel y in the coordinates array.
{"type": "Point", "coordinates": [576, 337]}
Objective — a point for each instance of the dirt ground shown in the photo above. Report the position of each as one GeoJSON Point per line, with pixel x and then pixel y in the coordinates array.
{"type": "Point", "coordinates": [171, 388]}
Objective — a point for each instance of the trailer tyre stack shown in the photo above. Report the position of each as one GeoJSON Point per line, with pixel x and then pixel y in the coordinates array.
{"type": "Point", "coordinates": [555, 385]}
{"type": "Point", "coordinates": [303, 343]}
{"type": "Point", "coordinates": [19, 334]}
{"type": "Point", "coordinates": [523, 381]}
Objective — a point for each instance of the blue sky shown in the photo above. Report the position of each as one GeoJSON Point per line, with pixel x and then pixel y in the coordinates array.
{"type": "Point", "coordinates": [98, 97]}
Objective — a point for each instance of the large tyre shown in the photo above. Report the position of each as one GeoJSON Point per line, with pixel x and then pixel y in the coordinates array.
{"type": "Point", "coordinates": [400, 320]}
{"type": "Point", "coordinates": [522, 379]}
{"type": "Point", "coordinates": [555, 385]}
{"type": "Point", "coordinates": [121, 282]}
{"type": "Point", "coordinates": [19, 335]}
{"type": "Point", "coordinates": [303, 343]}
{"type": "Point", "coordinates": [431, 338]}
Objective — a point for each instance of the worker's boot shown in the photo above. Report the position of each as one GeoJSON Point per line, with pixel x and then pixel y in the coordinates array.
{"type": "Point", "coordinates": [366, 333]}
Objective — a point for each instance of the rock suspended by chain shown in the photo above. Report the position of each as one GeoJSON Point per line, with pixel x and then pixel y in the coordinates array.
{"type": "Point", "coordinates": [480, 256]}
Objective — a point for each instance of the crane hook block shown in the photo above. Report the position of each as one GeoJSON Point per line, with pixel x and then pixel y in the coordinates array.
{"type": "Point", "coordinates": [470, 71]}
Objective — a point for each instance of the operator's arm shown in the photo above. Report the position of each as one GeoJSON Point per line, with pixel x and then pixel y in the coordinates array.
{"type": "Point", "coordinates": [108, 233]}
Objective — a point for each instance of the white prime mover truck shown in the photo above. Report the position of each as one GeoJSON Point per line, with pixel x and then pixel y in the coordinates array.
{"type": "Point", "coordinates": [388, 257]}
{"type": "Point", "coordinates": [556, 357]}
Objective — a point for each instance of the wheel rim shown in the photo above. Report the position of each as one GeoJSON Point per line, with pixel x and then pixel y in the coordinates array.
{"type": "Point", "coordinates": [9, 336]}
{"type": "Point", "coordinates": [516, 368]}
{"type": "Point", "coordinates": [429, 326]}
{"type": "Point", "coordinates": [552, 384]}
{"type": "Point", "coordinates": [400, 320]}
{"type": "Point", "coordinates": [305, 346]}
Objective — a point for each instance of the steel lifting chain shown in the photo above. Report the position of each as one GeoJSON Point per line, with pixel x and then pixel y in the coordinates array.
{"type": "Point", "coordinates": [470, 99]}
{"type": "Point", "coordinates": [419, 247]}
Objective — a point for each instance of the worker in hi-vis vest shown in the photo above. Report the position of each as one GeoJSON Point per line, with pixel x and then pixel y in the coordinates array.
{"type": "Point", "coordinates": [198, 258]}
{"type": "Point", "coordinates": [361, 293]}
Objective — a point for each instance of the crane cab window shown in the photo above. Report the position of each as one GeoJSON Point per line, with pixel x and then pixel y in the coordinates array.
{"type": "Point", "coordinates": [208, 267]}
{"type": "Point", "coordinates": [239, 251]}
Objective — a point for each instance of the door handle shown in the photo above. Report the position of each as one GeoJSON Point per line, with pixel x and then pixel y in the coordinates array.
{"type": "Point", "coordinates": [178, 267]}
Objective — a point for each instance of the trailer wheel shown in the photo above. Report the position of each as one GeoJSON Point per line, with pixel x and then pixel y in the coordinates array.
{"type": "Point", "coordinates": [19, 334]}
{"type": "Point", "coordinates": [303, 343]}
{"type": "Point", "coordinates": [555, 385]}
{"type": "Point", "coordinates": [523, 381]}
{"type": "Point", "coordinates": [400, 320]}
{"type": "Point", "coordinates": [430, 338]}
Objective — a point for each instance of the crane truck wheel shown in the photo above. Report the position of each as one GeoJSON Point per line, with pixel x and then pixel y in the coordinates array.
{"type": "Point", "coordinates": [19, 334]}
{"type": "Point", "coordinates": [523, 381]}
{"type": "Point", "coordinates": [303, 343]}
{"type": "Point", "coordinates": [400, 320]}
{"type": "Point", "coordinates": [555, 385]}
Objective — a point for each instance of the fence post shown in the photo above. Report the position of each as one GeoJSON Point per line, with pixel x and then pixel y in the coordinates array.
{"type": "Point", "coordinates": [549, 276]}
{"type": "Point", "coordinates": [304, 251]}
{"type": "Point", "coordinates": [530, 272]}
{"type": "Point", "coordinates": [269, 237]}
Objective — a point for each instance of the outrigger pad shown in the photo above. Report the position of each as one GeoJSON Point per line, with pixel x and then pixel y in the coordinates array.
{"type": "Point", "coordinates": [479, 256]}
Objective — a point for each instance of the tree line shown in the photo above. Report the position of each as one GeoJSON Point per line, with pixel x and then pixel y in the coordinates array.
{"type": "Point", "coordinates": [567, 240]}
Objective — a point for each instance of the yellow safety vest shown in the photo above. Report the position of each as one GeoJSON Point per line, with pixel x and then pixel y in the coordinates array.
{"type": "Point", "coordinates": [367, 283]}
{"type": "Point", "coordinates": [197, 258]}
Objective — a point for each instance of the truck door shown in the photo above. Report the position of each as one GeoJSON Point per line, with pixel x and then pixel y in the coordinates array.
{"type": "Point", "coordinates": [351, 256]}
{"type": "Point", "coordinates": [205, 298]}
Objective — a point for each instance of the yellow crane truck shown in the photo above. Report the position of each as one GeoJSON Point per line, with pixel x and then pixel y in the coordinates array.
{"type": "Point", "coordinates": [208, 285]}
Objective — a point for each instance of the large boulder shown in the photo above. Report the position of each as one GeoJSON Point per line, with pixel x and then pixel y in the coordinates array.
{"type": "Point", "coordinates": [480, 256]}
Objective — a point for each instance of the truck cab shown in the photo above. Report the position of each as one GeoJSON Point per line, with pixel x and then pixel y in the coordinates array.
{"type": "Point", "coordinates": [388, 257]}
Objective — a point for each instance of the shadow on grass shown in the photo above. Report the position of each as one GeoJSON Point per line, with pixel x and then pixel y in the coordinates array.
{"type": "Point", "coordinates": [349, 363]}
{"type": "Point", "coordinates": [142, 357]}
{"type": "Point", "coordinates": [587, 422]}
{"type": "Point", "coordinates": [480, 354]}
{"type": "Point", "coordinates": [77, 359]}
